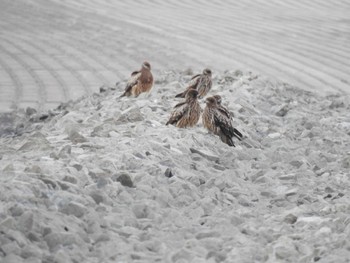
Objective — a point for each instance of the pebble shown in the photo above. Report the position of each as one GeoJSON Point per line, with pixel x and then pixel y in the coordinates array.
{"type": "Point", "coordinates": [73, 208]}
{"type": "Point", "coordinates": [125, 180]}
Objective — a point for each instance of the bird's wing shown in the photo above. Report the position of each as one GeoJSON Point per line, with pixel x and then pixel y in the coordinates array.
{"type": "Point", "coordinates": [194, 82]}
{"type": "Point", "coordinates": [225, 126]}
{"type": "Point", "coordinates": [135, 76]}
{"type": "Point", "coordinates": [225, 112]}
{"type": "Point", "coordinates": [191, 85]}
{"type": "Point", "coordinates": [204, 85]}
{"type": "Point", "coordinates": [135, 72]}
{"type": "Point", "coordinates": [180, 110]}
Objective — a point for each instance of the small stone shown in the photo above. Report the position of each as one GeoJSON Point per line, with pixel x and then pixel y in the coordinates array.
{"type": "Point", "coordinates": [70, 179]}
{"type": "Point", "coordinates": [65, 152]}
{"type": "Point", "coordinates": [296, 163]}
{"type": "Point", "coordinates": [77, 166]}
{"type": "Point", "coordinates": [282, 111]}
{"type": "Point", "coordinates": [26, 221]}
{"type": "Point", "coordinates": [168, 173]}
{"type": "Point", "coordinates": [11, 248]}
{"type": "Point", "coordinates": [12, 258]}
{"type": "Point", "coordinates": [125, 180]}
{"type": "Point", "coordinates": [274, 135]}
{"type": "Point", "coordinates": [207, 234]}
{"type": "Point", "coordinates": [130, 115]}
{"type": "Point", "coordinates": [30, 111]}
{"type": "Point", "coordinates": [35, 169]}
{"type": "Point", "coordinates": [30, 251]}
{"type": "Point", "coordinates": [182, 256]}
{"type": "Point", "coordinates": [98, 197]}
{"type": "Point", "coordinates": [7, 223]}
{"type": "Point", "coordinates": [74, 208]}
{"type": "Point", "coordinates": [102, 182]}
{"type": "Point", "coordinates": [52, 184]}
{"type": "Point", "coordinates": [141, 210]}
{"type": "Point", "coordinates": [206, 155]}
{"type": "Point", "coordinates": [290, 219]}
{"type": "Point", "coordinates": [53, 240]}
{"type": "Point", "coordinates": [76, 137]}
{"type": "Point", "coordinates": [33, 237]}
{"type": "Point", "coordinates": [219, 256]}
{"type": "Point", "coordinates": [103, 89]}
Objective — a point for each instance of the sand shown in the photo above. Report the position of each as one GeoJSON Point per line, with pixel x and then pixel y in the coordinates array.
{"type": "Point", "coordinates": [53, 50]}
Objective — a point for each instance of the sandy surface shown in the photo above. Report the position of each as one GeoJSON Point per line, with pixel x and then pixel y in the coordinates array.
{"type": "Point", "coordinates": [54, 50]}
{"type": "Point", "coordinates": [104, 180]}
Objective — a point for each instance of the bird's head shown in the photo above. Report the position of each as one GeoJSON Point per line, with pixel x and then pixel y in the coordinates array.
{"type": "Point", "coordinates": [218, 99]}
{"type": "Point", "coordinates": [207, 72]}
{"type": "Point", "coordinates": [146, 65]}
{"type": "Point", "coordinates": [192, 93]}
{"type": "Point", "coordinates": [211, 101]}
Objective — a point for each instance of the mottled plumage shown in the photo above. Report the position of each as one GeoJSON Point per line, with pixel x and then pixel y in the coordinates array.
{"type": "Point", "coordinates": [140, 81]}
{"type": "Point", "coordinates": [221, 108]}
{"type": "Point", "coordinates": [187, 113]}
{"type": "Point", "coordinates": [219, 122]}
{"type": "Point", "coordinates": [201, 82]}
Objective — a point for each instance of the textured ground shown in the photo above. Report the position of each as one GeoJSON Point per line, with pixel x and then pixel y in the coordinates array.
{"type": "Point", "coordinates": [104, 180]}
{"type": "Point", "coordinates": [54, 50]}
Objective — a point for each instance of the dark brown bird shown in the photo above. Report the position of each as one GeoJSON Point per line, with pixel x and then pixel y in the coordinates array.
{"type": "Point", "coordinates": [201, 82]}
{"type": "Point", "coordinates": [219, 123]}
{"type": "Point", "coordinates": [187, 113]}
{"type": "Point", "coordinates": [139, 82]}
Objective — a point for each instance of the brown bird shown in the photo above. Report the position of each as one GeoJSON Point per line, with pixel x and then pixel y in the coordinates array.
{"type": "Point", "coordinates": [186, 114]}
{"type": "Point", "coordinates": [139, 82]}
{"type": "Point", "coordinates": [201, 82]}
{"type": "Point", "coordinates": [219, 123]}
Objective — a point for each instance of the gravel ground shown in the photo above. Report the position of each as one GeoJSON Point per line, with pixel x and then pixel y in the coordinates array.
{"type": "Point", "coordinates": [102, 179]}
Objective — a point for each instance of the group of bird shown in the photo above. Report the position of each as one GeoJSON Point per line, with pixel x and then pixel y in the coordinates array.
{"type": "Point", "coordinates": [215, 117]}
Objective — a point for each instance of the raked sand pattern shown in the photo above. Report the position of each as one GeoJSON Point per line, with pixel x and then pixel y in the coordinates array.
{"type": "Point", "coordinates": [54, 50]}
{"type": "Point", "coordinates": [104, 180]}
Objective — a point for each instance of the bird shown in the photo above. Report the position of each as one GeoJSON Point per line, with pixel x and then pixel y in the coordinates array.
{"type": "Point", "coordinates": [140, 81]}
{"type": "Point", "coordinates": [218, 122]}
{"type": "Point", "coordinates": [187, 113]}
{"type": "Point", "coordinates": [201, 82]}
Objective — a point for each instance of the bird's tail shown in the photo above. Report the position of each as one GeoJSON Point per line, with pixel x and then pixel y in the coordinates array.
{"type": "Point", "coordinates": [227, 139]}
{"type": "Point", "coordinates": [237, 134]}
{"type": "Point", "coordinates": [230, 142]}
{"type": "Point", "coordinates": [180, 95]}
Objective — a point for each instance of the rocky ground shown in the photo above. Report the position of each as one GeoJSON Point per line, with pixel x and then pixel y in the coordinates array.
{"type": "Point", "coordinates": [102, 179]}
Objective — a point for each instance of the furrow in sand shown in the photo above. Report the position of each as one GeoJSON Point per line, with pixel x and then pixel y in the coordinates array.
{"type": "Point", "coordinates": [51, 78]}
{"type": "Point", "coordinates": [338, 82]}
{"type": "Point", "coordinates": [264, 27]}
{"type": "Point", "coordinates": [245, 23]}
{"type": "Point", "coordinates": [146, 43]}
{"type": "Point", "coordinates": [41, 92]}
{"type": "Point", "coordinates": [69, 74]}
{"type": "Point", "coordinates": [15, 82]}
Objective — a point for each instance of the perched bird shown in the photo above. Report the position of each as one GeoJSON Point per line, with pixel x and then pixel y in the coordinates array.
{"type": "Point", "coordinates": [140, 81]}
{"type": "Point", "coordinates": [201, 82]}
{"type": "Point", "coordinates": [187, 113]}
{"type": "Point", "coordinates": [218, 122]}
